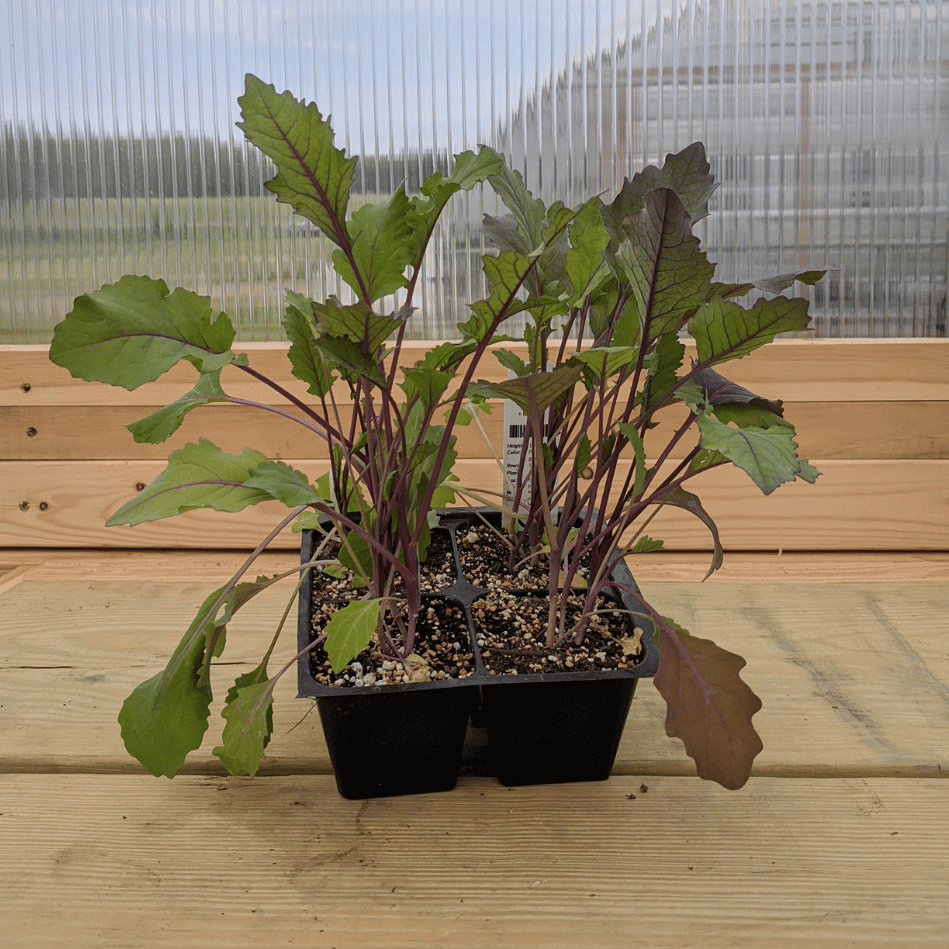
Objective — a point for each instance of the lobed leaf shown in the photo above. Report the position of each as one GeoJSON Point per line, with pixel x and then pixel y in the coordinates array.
{"type": "Point", "coordinates": [130, 332]}
{"type": "Point", "coordinates": [723, 330]}
{"type": "Point", "coordinates": [768, 455]}
{"type": "Point", "coordinates": [686, 173]}
{"type": "Point", "coordinates": [284, 483]}
{"type": "Point", "coordinates": [381, 248]}
{"type": "Point", "coordinates": [166, 421]}
{"type": "Point", "coordinates": [709, 707]}
{"type": "Point", "coordinates": [248, 712]}
{"type": "Point", "coordinates": [306, 359]}
{"type": "Point", "coordinates": [313, 177]}
{"type": "Point", "coordinates": [198, 475]}
{"type": "Point", "coordinates": [668, 273]}
{"type": "Point", "coordinates": [535, 393]}
{"type": "Point", "coordinates": [469, 170]}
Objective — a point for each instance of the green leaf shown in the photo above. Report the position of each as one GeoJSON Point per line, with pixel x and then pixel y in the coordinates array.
{"type": "Point", "coordinates": [679, 497]}
{"type": "Point", "coordinates": [248, 712]}
{"type": "Point", "coordinates": [535, 393]}
{"type": "Point", "coordinates": [709, 707]}
{"type": "Point", "coordinates": [313, 177]}
{"type": "Point", "coordinates": [631, 434]}
{"type": "Point", "coordinates": [782, 281]}
{"type": "Point", "coordinates": [214, 627]}
{"type": "Point", "coordinates": [512, 362]}
{"type": "Point", "coordinates": [506, 274]}
{"type": "Point", "coordinates": [446, 357]}
{"type": "Point", "coordinates": [529, 212]}
{"type": "Point", "coordinates": [584, 263]}
{"type": "Point", "coordinates": [767, 455]}
{"type": "Point", "coordinates": [426, 385]}
{"type": "Point", "coordinates": [607, 361]}
{"type": "Point", "coordinates": [584, 453]}
{"type": "Point", "coordinates": [358, 322]}
{"type": "Point", "coordinates": [166, 421]}
{"type": "Point", "coordinates": [381, 248]}
{"type": "Point", "coordinates": [349, 631]}
{"type": "Point", "coordinates": [646, 545]}
{"type": "Point", "coordinates": [723, 330]}
{"type": "Point", "coordinates": [356, 555]}
{"type": "Point", "coordinates": [284, 483]}
{"type": "Point", "coordinates": [664, 365]}
{"type": "Point", "coordinates": [198, 475]}
{"type": "Point", "coordinates": [130, 332]}
{"type": "Point", "coordinates": [686, 173]}
{"type": "Point", "coordinates": [306, 359]}
{"type": "Point", "coordinates": [470, 169]}
{"type": "Point", "coordinates": [166, 716]}
{"type": "Point", "coordinates": [347, 357]}
{"type": "Point", "coordinates": [668, 273]}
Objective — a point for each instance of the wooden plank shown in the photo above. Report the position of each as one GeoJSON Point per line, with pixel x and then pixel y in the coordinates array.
{"type": "Point", "coordinates": [666, 566]}
{"type": "Point", "coordinates": [854, 678]}
{"type": "Point", "coordinates": [856, 505]}
{"type": "Point", "coordinates": [106, 862]}
{"type": "Point", "coordinates": [793, 370]}
{"type": "Point", "coordinates": [830, 430]}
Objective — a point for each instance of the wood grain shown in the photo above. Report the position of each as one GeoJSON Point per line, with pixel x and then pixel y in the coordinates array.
{"type": "Point", "coordinates": [109, 861]}
{"type": "Point", "coordinates": [855, 505]}
{"type": "Point", "coordinates": [862, 666]}
{"type": "Point", "coordinates": [829, 430]}
{"type": "Point", "coordinates": [666, 566]}
{"type": "Point", "coordinates": [795, 370]}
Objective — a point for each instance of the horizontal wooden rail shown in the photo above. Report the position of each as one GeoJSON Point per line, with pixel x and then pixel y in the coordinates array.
{"type": "Point", "coordinates": [873, 415]}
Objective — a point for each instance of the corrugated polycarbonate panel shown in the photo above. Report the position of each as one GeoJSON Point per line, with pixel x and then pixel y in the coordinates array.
{"type": "Point", "coordinates": [827, 124]}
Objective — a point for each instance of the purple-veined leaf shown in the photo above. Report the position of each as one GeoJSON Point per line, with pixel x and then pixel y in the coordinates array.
{"type": "Point", "coordinates": [709, 706]}
{"type": "Point", "coordinates": [719, 391]}
{"type": "Point", "coordinates": [306, 360]}
{"type": "Point", "coordinates": [198, 475]}
{"type": "Point", "coordinates": [130, 332]}
{"type": "Point", "coordinates": [284, 483]}
{"type": "Point", "coordinates": [686, 173]}
{"type": "Point", "coordinates": [313, 176]}
{"type": "Point", "coordinates": [469, 170]}
{"type": "Point", "coordinates": [768, 455]}
{"type": "Point", "coordinates": [679, 497]}
{"type": "Point", "coordinates": [535, 393]}
{"type": "Point", "coordinates": [667, 272]}
{"type": "Point", "coordinates": [723, 330]}
{"type": "Point", "coordinates": [381, 248]}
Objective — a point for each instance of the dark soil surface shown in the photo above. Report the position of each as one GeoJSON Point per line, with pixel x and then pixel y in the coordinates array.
{"type": "Point", "coordinates": [486, 562]}
{"type": "Point", "coordinates": [438, 571]}
{"type": "Point", "coordinates": [510, 620]}
{"type": "Point", "coordinates": [511, 632]}
{"type": "Point", "coordinates": [443, 651]}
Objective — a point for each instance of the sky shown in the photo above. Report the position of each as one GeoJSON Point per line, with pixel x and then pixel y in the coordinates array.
{"type": "Point", "coordinates": [393, 73]}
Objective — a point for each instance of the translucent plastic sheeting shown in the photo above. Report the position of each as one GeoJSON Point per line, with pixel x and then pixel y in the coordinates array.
{"type": "Point", "coordinates": [827, 124]}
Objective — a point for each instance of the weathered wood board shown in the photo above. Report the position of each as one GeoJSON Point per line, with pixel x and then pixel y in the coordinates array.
{"type": "Point", "coordinates": [109, 862]}
{"type": "Point", "coordinates": [864, 667]}
{"type": "Point", "coordinates": [872, 414]}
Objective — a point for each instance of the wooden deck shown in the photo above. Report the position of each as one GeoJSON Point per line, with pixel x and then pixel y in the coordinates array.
{"type": "Point", "coordinates": [841, 837]}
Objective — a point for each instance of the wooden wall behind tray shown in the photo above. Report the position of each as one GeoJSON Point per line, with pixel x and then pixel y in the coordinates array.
{"type": "Point", "coordinates": [873, 415]}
